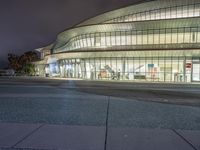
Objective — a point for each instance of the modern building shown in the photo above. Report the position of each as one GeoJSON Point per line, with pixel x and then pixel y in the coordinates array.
{"type": "Point", "coordinates": [152, 41]}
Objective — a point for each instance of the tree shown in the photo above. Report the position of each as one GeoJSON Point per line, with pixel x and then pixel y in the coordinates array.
{"type": "Point", "coordinates": [22, 63]}
{"type": "Point", "coordinates": [29, 69]}
{"type": "Point", "coordinates": [14, 61]}
{"type": "Point", "coordinates": [28, 57]}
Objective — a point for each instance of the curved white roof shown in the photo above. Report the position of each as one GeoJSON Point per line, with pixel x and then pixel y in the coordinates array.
{"type": "Point", "coordinates": [97, 24]}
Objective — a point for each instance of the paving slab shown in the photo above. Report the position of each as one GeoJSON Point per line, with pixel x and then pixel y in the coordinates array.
{"type": "Point", "coordinates": [66, 138]}
{"type": "Point", "coordinates": [191, 136]}
{"type": "Point", "coordinates": [142, 139]}
{"type": "Point", "coordinates": [11, 133]}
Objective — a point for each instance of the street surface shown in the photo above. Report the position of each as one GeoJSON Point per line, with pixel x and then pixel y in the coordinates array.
{"type": "Point", "coordinates": [120, 115]}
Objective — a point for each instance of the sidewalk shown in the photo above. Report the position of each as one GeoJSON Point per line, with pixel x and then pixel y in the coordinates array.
{"type": "Point", "coordinates": [16, 136]}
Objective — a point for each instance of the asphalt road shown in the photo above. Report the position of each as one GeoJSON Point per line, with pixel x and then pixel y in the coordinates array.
{"type": "Point", "coordinates": [72, 102]}
{"type": "Point", "coordinates": [182, 94]}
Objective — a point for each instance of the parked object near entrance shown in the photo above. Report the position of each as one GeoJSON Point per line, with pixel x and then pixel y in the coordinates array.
{"type": "Point", "coordinates": [7, 72]}
{"type": "Point", "coordinates": [102, 74]}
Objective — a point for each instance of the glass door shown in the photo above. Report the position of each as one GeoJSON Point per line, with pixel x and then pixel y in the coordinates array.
{"type": "Point", "coordinates": [196, 72]}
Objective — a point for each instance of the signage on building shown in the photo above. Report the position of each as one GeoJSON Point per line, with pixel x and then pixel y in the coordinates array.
{"type": "Point", "coordinates": [188, 65]}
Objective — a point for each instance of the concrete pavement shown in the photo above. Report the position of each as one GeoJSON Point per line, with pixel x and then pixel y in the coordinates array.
{"type": "Point", "coordinates": [64, 137]}
{"type": "Point", "coordinates": [71, 115]}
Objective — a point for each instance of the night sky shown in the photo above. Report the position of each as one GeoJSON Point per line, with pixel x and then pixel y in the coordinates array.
{"type": "Point", "coordinates": [29, 24]}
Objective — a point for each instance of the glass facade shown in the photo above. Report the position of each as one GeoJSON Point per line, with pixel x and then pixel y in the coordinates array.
{"type": "Point", "coordinates": [187, 37]}
{"type": "Point", "coordinates": [181, 11]}
{"type": "Point", "coordinates": [154, 69]}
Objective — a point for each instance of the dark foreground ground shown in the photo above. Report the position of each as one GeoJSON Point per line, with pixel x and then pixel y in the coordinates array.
{"type": "Point", "coordinates": [185, 94]}
{"type": "Point", "coordinates": [47, 110]}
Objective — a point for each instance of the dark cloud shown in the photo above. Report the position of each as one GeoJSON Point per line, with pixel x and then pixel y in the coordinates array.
{"type": "Point", "coordinates": [29, 24]}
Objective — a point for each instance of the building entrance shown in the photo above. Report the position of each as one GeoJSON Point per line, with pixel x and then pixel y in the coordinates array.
{"type": "Point", "coordinates": [153, 69]}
